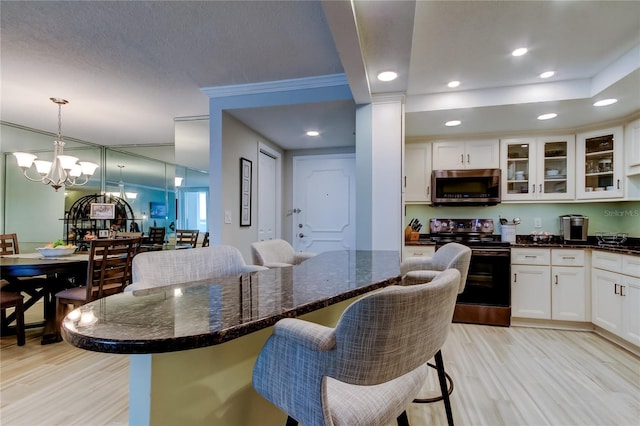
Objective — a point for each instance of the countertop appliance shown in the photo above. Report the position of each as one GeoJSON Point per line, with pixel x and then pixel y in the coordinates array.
{"type": "Point", "coordinates": [486, 298]}
{"type": "Point", "coordinates": [465, 187]}
{"type": "Point", "coordinates": [574, 227]}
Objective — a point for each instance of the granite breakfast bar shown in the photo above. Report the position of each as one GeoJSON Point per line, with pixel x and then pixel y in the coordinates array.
{"type": "Point", "coordinates": [192, 346]}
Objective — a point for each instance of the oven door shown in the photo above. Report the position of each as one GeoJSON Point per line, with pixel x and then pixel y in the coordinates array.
{"type": "Point", "coordinates": [488, 278]}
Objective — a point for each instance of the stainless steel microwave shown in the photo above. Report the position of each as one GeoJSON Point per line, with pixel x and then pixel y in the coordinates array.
{"type": "Point", "coordinates": [465, 187]}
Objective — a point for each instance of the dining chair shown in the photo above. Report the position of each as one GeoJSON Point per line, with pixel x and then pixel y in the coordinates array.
{"type": "Point", "coordinates": [205, 239]}
{"type": "Point", "coordinates": [108, 273]}
{"type": "Point", "coordinates": [366, 370]}
{"type": "Point", "coordinates": [423, 269]}
{"type": "Point", "coordinates": [169, 267]}
{"type": "Point", "coordinates": [277, 254]}
{"type": "Point", "coordinates": [155, 239]}
{"type": "Point", "coordinates": [187, 236]}
{"type": "Point", "coordinates": [16, 301]}
{"type": "Point", "coordinates": [9, 244]}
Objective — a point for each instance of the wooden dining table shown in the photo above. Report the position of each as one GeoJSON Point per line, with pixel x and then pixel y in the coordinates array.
{"type": "Point", "coordinates": [53, 274]}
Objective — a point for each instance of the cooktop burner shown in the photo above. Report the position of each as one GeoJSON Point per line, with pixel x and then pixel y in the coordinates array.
{"type": "Point", "coordinates": [461, 226]}
{"type": "Point", "coordinates": [471, 232]}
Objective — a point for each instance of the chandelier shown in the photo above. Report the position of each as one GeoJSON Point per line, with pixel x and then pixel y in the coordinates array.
{"type": "Point", "coordinates": [64, 169]}
{"type": "Point", "coordinates": [122, 194]}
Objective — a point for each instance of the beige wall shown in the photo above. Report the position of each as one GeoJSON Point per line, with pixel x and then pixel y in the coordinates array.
{"type": "Point", "coordinates": [239, 141]}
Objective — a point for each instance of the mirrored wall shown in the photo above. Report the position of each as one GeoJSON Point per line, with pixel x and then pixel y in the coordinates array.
{"type": "Point", "coordinates": [36, 211]}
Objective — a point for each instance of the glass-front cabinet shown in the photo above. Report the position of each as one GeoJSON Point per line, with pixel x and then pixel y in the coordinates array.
{"type": "Point", "coordinates": [600, 158]}
{"type": "Point", "coordinates": [538, 168]}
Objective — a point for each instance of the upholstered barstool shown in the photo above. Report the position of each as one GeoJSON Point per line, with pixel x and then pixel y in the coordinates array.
{"type": "Point", "coordinates": [277, 254]}
{"type": "Point", "coordinates": [355, 374]}
{"type": "Point", "coordinates": [422, 269]}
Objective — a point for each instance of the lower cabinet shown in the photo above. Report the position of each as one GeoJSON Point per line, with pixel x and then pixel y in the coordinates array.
{"type": "Point", "coordinates": [549, 284]}
{"type": "Point", "coordinates": [418, 250]}
{"type": "Point", "coordinates": [616, 294]}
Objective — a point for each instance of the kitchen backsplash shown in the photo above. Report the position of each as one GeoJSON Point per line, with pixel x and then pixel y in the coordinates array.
{"type": "Point", "coordinates": [622, 216]}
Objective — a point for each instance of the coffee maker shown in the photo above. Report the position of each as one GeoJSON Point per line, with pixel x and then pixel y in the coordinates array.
{"type": "Point", "coordinates": [573, 227]}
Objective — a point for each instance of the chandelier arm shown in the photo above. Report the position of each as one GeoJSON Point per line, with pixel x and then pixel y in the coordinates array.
{"type": "Point", "coordinates": [76, 183]}
{"type": "Point", "coordinates": [40, 179]}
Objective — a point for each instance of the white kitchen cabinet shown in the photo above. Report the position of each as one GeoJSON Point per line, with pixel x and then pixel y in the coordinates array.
{"type": "Point", "coordinates": [616, 294]}
{"type": "Point", "coordinates": [606, 309]}
{"type": "Point", "coordinates": [631, 309]}
{"type": "Point", "coordinates": [632, 145]}
{"type": "Point", "coordinates": [417, 173]}
{"type": "Point", "coordinates": [457, 155]}
{"type": "Point", "coordinates": [530, 283]}
{"type": "Point", "coordinates": [530, 291]}
{"type": "Point", "coordinates": [570, 288]}
{"type": "Point", "coordinates": [600, 158]}
{"type": "Point", "coordinates": [418, 250]}
{"type": "Point", "coordinates": [549, 284]}
{"type": "Point", "coordinates": [538, 169]}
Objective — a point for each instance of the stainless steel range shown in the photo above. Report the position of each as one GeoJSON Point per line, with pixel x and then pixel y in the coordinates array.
{"type": "Point", "coordinates": [487, 295]}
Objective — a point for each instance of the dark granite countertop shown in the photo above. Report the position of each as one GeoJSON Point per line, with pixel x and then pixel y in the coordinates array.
{"type": "Point", "coordinates": [205, 313]}
{"type": "Point", "coordinates": [631, 246]}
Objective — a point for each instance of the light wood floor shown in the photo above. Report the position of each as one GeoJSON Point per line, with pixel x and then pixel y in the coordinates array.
{"type": "Point", "coordinates": [503, 376]}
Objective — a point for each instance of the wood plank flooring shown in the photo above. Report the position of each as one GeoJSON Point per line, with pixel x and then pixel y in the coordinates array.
{"type": "Point", "coordinates": [503, 376]}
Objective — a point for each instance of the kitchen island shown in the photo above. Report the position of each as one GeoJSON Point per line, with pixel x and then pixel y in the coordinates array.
{"type": "Point", "coordinates": [193, 346]}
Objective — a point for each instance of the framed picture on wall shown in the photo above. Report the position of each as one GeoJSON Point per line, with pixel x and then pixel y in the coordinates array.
{"type": "Point", "coordinates": [102, 211]}
{"type": "Point", "coordinates": [245, 192]}
{"type": "Point", "coordinates": [158, 210]}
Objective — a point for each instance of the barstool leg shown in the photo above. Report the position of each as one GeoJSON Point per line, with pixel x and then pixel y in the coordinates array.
{"type": "Point", "coordinates": [443, 386]}
{"type": "Point", "coordinates": [403, 420]}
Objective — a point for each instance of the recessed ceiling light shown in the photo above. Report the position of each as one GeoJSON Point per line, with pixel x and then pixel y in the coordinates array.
{"type": "Point", "coordinates": [520, 51]}
{"type": "Point", "coordinates": [605, 102]}
{"type": "Point", "coordinates": [547, 74]}
{"type": "Point", "coordinates": [453, 123]}
{"type": "Point", "coordinates": [313, 133]}
{"type": "Point", "coordinates": [547, 116]}
{"type": "Point", "coordinates": [454, 83]}
{"type": "Point", "coordinates": [387, 76]}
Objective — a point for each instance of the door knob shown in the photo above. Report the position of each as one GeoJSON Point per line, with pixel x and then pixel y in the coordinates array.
{"type": "Point", "coordinates": [301, 235]}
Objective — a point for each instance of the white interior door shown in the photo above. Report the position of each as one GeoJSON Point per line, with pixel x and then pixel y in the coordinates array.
{"type": "Point", "coordinates": [324, 202]}
{"type": "Point", "coordinates": [268, 194]}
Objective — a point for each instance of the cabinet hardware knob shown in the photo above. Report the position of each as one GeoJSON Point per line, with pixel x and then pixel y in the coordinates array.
{"type": "Point", "coordinates": [618, 183]}
{"type": "Point", "coordinates": [556, 280]}
{"type": "Point", "coordinates": [622, 290]}
{"type": "Point", "coordinates": [468, 158]}
{"type": "Point", "coordinates": [615, 288]}
{"type": "Point", "coordinates": [462, 158]}
{"type": "Point", "coordinates": [540, 189]}
{"type": "Point", "coordinates": [533, 189]}
{"type": "Point", "coordinates": [515, 278]}
{"type": "Point", "coordinates": [568, 257]}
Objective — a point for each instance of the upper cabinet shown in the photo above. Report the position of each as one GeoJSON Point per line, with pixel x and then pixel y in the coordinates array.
{"type": "Point", "coordinates": [632, 144]}
{"type": "Point", "coordinates": [417, 172]}
{"type": "Point", "coordinates": [457, 155]}
{"type": "Point", "coordinates": [600, 160]}
{"type": "Point", "coordinates": [538, 168]}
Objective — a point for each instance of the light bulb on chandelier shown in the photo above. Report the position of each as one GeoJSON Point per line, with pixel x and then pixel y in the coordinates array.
{"type": "Point", "coordinates": [64, 169]}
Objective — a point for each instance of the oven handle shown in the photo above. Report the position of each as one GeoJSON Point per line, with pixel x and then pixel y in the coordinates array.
{"type": "Point", "coordinates": [489, 252]}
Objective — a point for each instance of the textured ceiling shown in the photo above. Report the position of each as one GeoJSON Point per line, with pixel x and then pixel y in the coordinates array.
{"type": "Point", "coordinates": [129, 69]}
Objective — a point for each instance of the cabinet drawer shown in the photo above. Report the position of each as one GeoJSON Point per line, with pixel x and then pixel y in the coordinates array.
{"type": "Point", "coordinates": [410, 251]}
{"type": "Point", "coordinates": [526, 256]}
{"type": "Point", "coordinates": [631, 265]}
{"type": "Point", "coordinates": [564, 257]}
{"type": "Point", "coordinates": [606, 260]}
